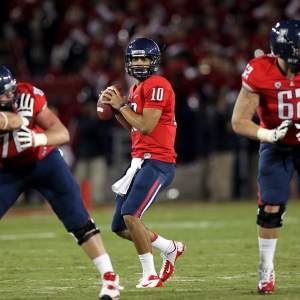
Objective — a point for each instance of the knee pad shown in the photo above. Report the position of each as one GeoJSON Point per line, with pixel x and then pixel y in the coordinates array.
{"type": "Point", "coordinates": [270, 220]}
{"type": "Point", "coordinates": [80, 233]}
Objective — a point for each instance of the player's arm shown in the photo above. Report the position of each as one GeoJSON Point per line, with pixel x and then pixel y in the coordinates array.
{"type": "Point", "coordinates": [144, 123]}
{"type": "Point", "coordinates": [123, 121]}
{"type": "Point", "coordinates": [10, 121]}
{"type": "Point", "coordinates": [244, 110]}
{"type": "Point", "coordinates": [55, 132]}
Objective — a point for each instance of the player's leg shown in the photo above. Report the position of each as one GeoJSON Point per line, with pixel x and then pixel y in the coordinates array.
{"type": "Point", "coordinates": [54, 180]}
{"type": "Point", "coordinates": [12, 185]}
{"type": "Point", "coordinates": [141, 196]}
{"type": "Point", "coordinates": [149, 181]}
{"type": "Point", "coordinates": [118, 225]}
{"type": "Point", "coordinates": [170, 249]}
{"type": "Point", "coordinates": [275, 172]}
{"type": "Point", "coordinates": [120, 228]}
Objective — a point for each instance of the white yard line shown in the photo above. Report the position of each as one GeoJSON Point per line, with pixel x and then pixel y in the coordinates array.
{"type": "Point", "coordinates": [213, 224]}
{"type": "Point", "coordinates": [31, 236]}
{"type": "Point", "coordinates": [164, 225]}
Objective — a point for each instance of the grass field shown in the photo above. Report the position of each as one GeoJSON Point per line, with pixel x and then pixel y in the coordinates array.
{"type": "Point", "coordinates": [40, 260]}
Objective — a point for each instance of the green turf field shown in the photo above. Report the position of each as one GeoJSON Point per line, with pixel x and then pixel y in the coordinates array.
{"type": "Point", "coordinates": [40, 260]}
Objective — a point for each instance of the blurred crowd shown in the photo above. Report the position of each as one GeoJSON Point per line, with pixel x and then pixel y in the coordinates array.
{"type": "Point", "coordinates": [205, 45]}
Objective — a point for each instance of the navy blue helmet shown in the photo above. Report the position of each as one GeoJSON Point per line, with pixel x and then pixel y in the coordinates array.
{"type": "Point", "coordinates": [285, 41]}
{"type": "Point", "coordinates": [7, 84]}
{"type": "Point", "coordinates": [142, 47]}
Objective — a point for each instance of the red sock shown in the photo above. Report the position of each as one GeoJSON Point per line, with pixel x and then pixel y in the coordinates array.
{"type": "Point", "coordinates": [155, 237]}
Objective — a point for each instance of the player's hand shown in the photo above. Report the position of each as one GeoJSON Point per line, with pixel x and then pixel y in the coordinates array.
{"type": "Point", "coordinates": [298, 134]}
{"type": "Point", "coordinates": [28, 138]}
{"type": "Point", "coordinates": [274, 135]}
{"type": "Point", "coordinates": [25, 106]}
{"type": "Point", "coordinates": [281, 130]}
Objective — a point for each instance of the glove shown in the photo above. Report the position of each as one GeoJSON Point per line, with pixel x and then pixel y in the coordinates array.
{"type": "Point", "coordinates": [25, 106]}
{"type": "Point", "coordinates": [28, 138]}
{"type": "Point", "coordinates": [274, 135]}
{"type": "Point", "coordinates": [281, 130]}
{"type": "Point", "coordinates": [298, 134]}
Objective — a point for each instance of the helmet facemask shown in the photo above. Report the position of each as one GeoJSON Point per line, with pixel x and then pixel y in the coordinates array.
{"type": "Point", "coordinates": [294, 58]}
{"type": "Point", "coordinates": [141, 71]}
{"type": "Point", "coordinates": [8, 96]}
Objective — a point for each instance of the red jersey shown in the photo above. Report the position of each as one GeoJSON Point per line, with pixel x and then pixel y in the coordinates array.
{"type": "Point", "coordinates": [279, 96]}
{"type": "Point", "coordinates": [12, 156]}
{"type": "Point", "coordinates": [155, 92]}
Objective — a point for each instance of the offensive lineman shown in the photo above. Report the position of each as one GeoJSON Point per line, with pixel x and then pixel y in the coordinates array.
{"type": "Point", "coordinates": [271, 86]}
{"type": "Point", "coordinates": [30, 159]}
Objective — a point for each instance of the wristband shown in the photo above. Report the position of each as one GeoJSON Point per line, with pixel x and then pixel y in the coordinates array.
{"type": "Point", "coordinates": [122, 105]}
{"type": "Point", "coordinates": [265, 135]}
{"type": "Point", "coordinates": [40, 139]}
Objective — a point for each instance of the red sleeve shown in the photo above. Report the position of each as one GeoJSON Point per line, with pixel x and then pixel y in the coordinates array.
{"type": "Point", "coordinates": [12, 156]}
{"type": "Point", "coordinates": [259, 71]}
{"type": "Point", "coordinates": [38, 95]}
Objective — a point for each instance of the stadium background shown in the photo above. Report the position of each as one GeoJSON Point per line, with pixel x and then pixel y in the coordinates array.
{"type": "Point", "coordinates": [74, 49]}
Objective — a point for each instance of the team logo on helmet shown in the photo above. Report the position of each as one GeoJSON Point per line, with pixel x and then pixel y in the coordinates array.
{"type": "Point", "coordinates": [282, 36]}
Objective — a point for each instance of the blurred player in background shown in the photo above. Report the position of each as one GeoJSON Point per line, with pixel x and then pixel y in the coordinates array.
{"type": "Point", "coordinates": [29, 133]}
{"type": "Point", "coordinates": [271, 86]}
{"type": "Point", "coordinates": [149, 115]}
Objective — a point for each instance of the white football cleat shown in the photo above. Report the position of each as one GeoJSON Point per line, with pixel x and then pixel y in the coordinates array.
{"type": "Point", "coordinates": [266, 280]}
{"type": "Point", "coordinates": [149, 282]}
{"type": "Point", "coordinates": [169, 260]}
{"type": "Point", "coordinates": [110, 287]}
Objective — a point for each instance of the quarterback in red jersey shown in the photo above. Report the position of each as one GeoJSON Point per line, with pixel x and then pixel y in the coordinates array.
{"type": "Point", "coordinates": [156, 93]}
{"type": "Point", "coordinates": [149, 115]}
{"type": "Point", "coordinates": [271, 87]}
{"type": "Point", "coordinates": [29, 133]}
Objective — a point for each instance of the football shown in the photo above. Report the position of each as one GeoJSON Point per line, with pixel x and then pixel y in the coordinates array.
{"type": "Point", "coordinates": [105, 111]}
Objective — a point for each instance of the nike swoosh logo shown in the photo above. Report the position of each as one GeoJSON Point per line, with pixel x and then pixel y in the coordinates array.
{"type": "Point", "coordinates": [169, 270]}
{"type": "Point", "coordinates": [145, 285]}
{"type": "Point", "coordinates": [263, 284]}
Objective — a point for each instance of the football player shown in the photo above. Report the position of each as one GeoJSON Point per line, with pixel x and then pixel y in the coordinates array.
{"type": "Point", "coordinates": [271, 87]}
{"type": "Point", "coordinates": [29, 133]}
{"type": "Point", "coordinates": [149, 116]}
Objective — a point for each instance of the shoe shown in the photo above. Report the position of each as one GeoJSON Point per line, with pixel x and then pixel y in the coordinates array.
{"type": "Point", "coordinates": [110, 287]}
{"type": "Point", "coordinates": [169, 260]}
{"type": "Point", "coordinates": [266, 283]}
{"type": "Point", "coordinates": [149, 282]}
